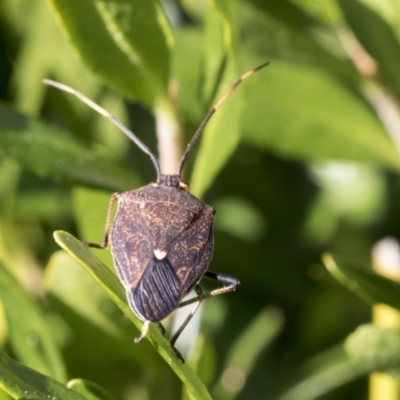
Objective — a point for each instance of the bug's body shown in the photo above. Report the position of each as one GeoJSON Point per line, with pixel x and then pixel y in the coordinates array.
{"type": "Point", "coordinates": [162, 236]}
{"type": "Point", "coordinates": [161, 242]}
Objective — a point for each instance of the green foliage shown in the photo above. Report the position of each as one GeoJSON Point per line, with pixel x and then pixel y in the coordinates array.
{"type": "Point", "coordinates": [108, 38]}
{"type": "Point", "coordinates": [370, 286]}
{"type": "Point", "coordinates": [21, 382]}
{"type": "Point", "coordinates": [301, 160]}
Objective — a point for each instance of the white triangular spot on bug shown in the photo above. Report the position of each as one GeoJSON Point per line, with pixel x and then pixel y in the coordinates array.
{"type": "Point", "coordinates": [160, 254]}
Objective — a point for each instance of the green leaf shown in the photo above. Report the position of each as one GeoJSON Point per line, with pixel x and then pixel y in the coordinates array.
{"type": "Point", "coordinates": [89, 390]}
{"type": "Point", "coordinates": [376, 36]}
{"type": "Point", "coordinates": [260, 333]}
{"type": "Point", "coordinates": [325, 11]}
{"type": "Point", "coordinates": [219, 141]}
{"type": "Point", "coordinates": [213, 54]}
{"type": "Point", "coordinates": [376, 349]}
{"type": "Point", "coordinates": [30, 336]}
{"type": "Point", "coordinates": [4, 395]}
{"type": "Point", "coordinates": [126, 42]}
{"type": "Point", "coordinates": [186, 67]}
{"type": "Point", "coordinates": [38, 52]}
{"type": "Point", "coordinates": [322, 374]}
{"type": "Point", "coordinates": [48, 205]}
{"type": "Point", "coordinates": [245, 351]}
{"type": "Point", "coordinates": [49, 152]}
{"type": "Point", "coordinates": [92, 315]}
{"type": "Point", "coordinates": [371, 287]}
{"type": "Point", "coordinates": [202, 358]}
{"type": "Point", "coordinates": [3, 325]}
{"type": "Point", "coordinates": [228, 11]}
{"type": "Point", "coordinates": [109, 282]}
{"type": "Point", "coordinates": [39, 57]}
{"type": "Point", "coordinates": [87, 299]}
{"type": "Point", "coordinates": [21, 382]}
{"type": "Point", "coordinates": [222, 133]}
{"type": "Point", "coordinates": [303, 113]}
{"type": "Point", "coordinates": [288, 12]}
{"type": "Point", "coordinates": [298, 37]}
{"type": "Point", "coordinates": [90, 211]}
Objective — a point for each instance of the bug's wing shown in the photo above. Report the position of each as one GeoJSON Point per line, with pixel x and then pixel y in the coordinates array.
{"type": "Point", "coordinates": [158, 292]}
{"type": "Point", "coordinates": [131, 246]}
{"type": "Point", "coordinates": [190, 252]}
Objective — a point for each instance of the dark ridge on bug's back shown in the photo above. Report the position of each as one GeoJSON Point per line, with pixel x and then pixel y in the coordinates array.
{"type": "Point", "coordinates": [158, 293]}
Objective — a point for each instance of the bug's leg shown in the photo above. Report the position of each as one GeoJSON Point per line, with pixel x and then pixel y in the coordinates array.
{"type": "Point", "coordinates": [161, 328]}
{"type": "Point", "coordinates": [199, 293]}
{"type": "Point", "coordinates": [104, 245]}
{"type": "Point", "coordinates": [230, 284]}
{"type": "Point", "coordinates": [143, 333]}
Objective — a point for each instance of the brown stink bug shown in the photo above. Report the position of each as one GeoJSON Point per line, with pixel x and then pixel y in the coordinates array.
{"type": "Point", "coordinates": [161, 238]}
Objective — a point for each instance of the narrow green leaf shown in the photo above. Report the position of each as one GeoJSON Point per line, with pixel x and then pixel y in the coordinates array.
{"type": "Point", "coordinates": [92, 315]}
{"type": "Point", "coordinates": [222, 134]}
{"type": "Point", "coordinates": [214, 54]}
{"type": "Point", "coordinates": [50, 152]}
{"type": "Point", "coordinates": [376, 349]}
{"type": "Point", "coordinates": [262, 330]}
{"type": "Point", "coordinates": [3, 325]}
{"type": "Point", "coordinates": [245, 352]}
{"type": "Point", "coordinates": [376, 36]}
{"type": "Point", "coordinates": [288, 12]}
{"type": "Point", "coordinates": [89, 390]}
{"type": "Point", "coordinates": [186, 67]}
{"type": "Point", "coordinates": [298, 37]}
{"type": "Point", "coordinates": [126, 42]}
{"type": "Point", "coordinates": [325, 11]}
{"type": "Point", "coordinates": [87, 299]}
{"type": "Point", "coordinates": [322, 374]}
{"type": "Point", "coordinates": [39, 57]}
{"type": "Point", "coordinates": [90, 212]}
{"type": "Point", "coordinates": [4, 395]}
{"type": "Point", "coordinates": [228, 11]}
{"type": "Point", "coordinates": [21, 382]}
{"type": "Point", "coordinates": [219, 141]}
{"type": "Point", "coordinates": [30, 337]}
{"type": "Point", "coordinates": [303, 113]}
{"type": "Point", "coordinates": [109, 282]}
{"type": "Point", "coordinates": [38, 52]}
{"type": "Point", "coordinates": [48, 205]}
{"type": "Point", "coordinates": [202, 358]}
{"type": "Point", "coordinates": [371, 287]}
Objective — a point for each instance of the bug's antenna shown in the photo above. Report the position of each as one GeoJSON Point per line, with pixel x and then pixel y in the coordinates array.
{"type": "Point", "coordinates": [111, 117]}
{"type": "Point", "coordinates": [211, 113]}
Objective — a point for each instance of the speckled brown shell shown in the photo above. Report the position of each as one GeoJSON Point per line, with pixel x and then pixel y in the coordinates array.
{"type": "Point", "coordinates": [162, 220]}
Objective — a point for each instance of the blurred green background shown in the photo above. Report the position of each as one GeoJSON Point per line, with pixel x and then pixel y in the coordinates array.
{"type": "Point", "coordinates": [302, 159]}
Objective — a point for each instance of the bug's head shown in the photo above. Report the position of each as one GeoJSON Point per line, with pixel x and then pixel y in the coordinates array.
{"type": "Point", "coordinates": [172, 181]}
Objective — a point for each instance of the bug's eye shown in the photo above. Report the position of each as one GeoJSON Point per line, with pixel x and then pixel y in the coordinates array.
{"type": "Point", "coordinates": [184, 185]}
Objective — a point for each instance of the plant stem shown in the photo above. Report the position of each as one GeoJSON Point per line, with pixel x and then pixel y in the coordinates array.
{"type": "Point", "coordinates": [169, 133]}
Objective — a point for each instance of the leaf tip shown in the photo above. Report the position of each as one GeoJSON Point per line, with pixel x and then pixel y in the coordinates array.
{"type": "Point", "coordinates": [328, 261]}
{"type": "Point", "coordinates": [58, 236]}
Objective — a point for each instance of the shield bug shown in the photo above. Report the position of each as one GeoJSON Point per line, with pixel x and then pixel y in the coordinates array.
{"type": "Point", "coordinates": [161, 238]}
